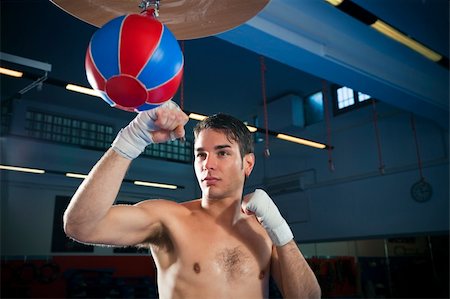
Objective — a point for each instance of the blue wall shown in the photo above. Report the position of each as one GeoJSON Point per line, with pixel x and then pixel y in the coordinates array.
{"type": "Point", "coordinates": [354, 201]}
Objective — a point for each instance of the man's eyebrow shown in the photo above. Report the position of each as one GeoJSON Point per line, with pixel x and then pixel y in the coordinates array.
{"type": "Point", "coordinates": [217, 147]}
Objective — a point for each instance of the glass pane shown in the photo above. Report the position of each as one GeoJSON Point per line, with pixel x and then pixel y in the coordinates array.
{"type": "Point", "coordinates": [345, 97]}
{"type": "Point", "coordinates": [363, 97]}
{"type": "Point", "coordinates": [314, 108]}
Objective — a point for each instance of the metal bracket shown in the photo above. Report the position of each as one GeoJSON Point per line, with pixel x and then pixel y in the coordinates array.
{"type": "Point", "coordinates": [150, 5]}
{"type": "Point", "coordinates": [37, 84]}
{"type": "Point", "coordinates": [29, 63]}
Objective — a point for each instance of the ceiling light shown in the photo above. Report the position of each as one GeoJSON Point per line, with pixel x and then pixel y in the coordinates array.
{"type": "Point", "coordinates": [76, 175]}
{"type": "Point", "coordinates": [196, 116]}
{"type": "Point", "coordinates": [9, 72]}
{"type": "Point", "coordinates": [81, 89]}
{"type": "Point", "coordinates": [157, 185]}
{"type": "Point", "coordinates": [21, 169]}
{"type": "Point", "coordinates": [301, 141]}
{"type": "Point", "coordinates": [285, 137]}
{"type": "Point", "coordinates": [335, 2]}
{"type": "Point", "coordinates": [403, 39]}
{"type": "Point", "coordinates": [365, 16]}
{"type": "Point", "coordinates": [72, 87]}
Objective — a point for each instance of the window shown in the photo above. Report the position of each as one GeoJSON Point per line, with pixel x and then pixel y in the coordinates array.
{"type": "Point", "coordinates": [346, 99]}
{"type": "Point", "coordinates": [314, 108]}
{"type": "Point", "coordinates": [363, 97]}
{"type": "Point", "coordinates": [5, 117]}
{"type": "Point", "coordinates": [172, 150]}
{"type": "Point", "coordinates": [61, 129]}
{"type": "Point", "coordinates": [68, 130]}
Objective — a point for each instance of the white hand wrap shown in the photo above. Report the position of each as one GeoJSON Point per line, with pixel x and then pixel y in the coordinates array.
{"type": "Point", "coordinates": [132, 140]}
{"type": "Point", "coordinates": [270, 218]}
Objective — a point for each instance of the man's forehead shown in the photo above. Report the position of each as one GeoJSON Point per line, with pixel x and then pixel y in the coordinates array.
{"type": "Point", "coordinates": [213, 138]}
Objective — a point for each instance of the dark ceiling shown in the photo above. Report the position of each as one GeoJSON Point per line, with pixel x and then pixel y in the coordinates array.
{"type": "Point", "coordinates": [303, 41]}
{"type": "Point", "coordinates": [321, 40]}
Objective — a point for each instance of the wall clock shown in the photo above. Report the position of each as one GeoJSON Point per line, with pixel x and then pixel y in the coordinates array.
{"type": "Point", "coordinates": [421, 191]}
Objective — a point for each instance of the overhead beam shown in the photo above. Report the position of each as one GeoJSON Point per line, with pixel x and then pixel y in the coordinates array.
{"type": "Point", "coordinates": [46, 67]}
{"type": "Point", "coordinates": [319, 41]}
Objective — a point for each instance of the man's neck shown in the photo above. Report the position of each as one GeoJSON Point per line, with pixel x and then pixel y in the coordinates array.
{"type": "Point", "coordinates": [226, 210]}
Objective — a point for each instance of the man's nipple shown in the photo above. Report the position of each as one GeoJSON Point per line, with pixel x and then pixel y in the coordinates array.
{"type": "Point", "coordinates": [261, 275]}
{"type": "Point", "coordinates": [196, 268]}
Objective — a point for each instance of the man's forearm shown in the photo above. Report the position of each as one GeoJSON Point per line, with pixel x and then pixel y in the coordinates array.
{"type": "Point", "coordinates": [298, 280]}
{"type": "Point", "coordinates": [290, 269]}
{"type": "Point", "coordinates": [96, 194]}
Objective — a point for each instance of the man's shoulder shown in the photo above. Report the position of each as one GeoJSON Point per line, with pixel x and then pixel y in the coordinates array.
{"type": "Point", "coordinates": [190, 203]}
{"type": "Point", "coordinates": [170, 204]}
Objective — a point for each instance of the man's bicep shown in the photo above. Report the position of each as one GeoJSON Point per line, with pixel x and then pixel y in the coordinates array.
{"type": "Point", "coordinates": [127, 225]}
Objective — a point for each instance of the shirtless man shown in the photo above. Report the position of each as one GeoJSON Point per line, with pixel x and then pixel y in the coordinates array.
{"type": "Point", "coordinates": [218, 246]}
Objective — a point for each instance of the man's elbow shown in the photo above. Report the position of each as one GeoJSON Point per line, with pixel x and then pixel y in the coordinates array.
{"type": "Point", "coordinates": [315, 292]}
{"type": "Point", "coordinates": [71, 230]}
{"type": "Point", "coordinates": [74, 230]}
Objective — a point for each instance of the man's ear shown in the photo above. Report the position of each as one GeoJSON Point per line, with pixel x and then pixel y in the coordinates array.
{"type": "Point", "coordinates": [249, 163]}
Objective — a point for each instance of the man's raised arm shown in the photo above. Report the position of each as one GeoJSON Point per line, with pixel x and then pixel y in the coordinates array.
{"type": "Point", "coordinates": [91, 216]}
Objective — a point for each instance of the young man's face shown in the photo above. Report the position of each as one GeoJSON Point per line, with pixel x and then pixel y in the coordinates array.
{"type": "Point", "coordinates": [219, 167]}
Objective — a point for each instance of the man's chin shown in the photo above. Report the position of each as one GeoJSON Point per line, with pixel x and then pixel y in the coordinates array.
{"type": "Point", "coordinates": [211, 192]}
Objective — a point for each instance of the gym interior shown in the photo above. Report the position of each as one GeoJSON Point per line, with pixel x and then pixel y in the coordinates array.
{"type": "Point", "coordinates": [369, 210]}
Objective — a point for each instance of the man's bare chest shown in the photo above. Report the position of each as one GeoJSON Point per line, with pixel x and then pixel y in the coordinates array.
{"type": "Point", "coordinates": [206, 250]}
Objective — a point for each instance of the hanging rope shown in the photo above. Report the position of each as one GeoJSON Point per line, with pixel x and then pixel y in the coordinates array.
{"type": "Point", "coordinates": [327, 123]}
{"type": "Point", "coordinates": [377, 135]}
{"type": "Point", "coordinates": [182, 79]}
{"type": "Point", "coordinates": [419, 160]}
{"type": "Point", "coordinates": [263, 91]}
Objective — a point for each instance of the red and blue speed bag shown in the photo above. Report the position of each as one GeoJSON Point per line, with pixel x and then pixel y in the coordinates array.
{"type": "Point", "coordinates": [135, 62]}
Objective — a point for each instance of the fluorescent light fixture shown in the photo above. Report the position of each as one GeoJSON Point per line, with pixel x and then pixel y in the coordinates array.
{"type": "Point", "coordinates": [81, 89]}
{"type": "Point", "coordinates": [197, 116]}
{"type": "Point", "coordinates": [335, 2]}
{"type": "Point", "coordinates": [140, 183]}
{"type": "Point", "coordinates": [285, 137]}
{"type": "Point", "coordinates": [76, 175]}
{"type": "Point", "coordinates": [301, 141]}
{"type": "Point", "coordinates": [156, 185]}
{"type": "Point", "coordinates": [22, 169]}
{"type": "Point", "coordinates": [11, 73]}
{"type": "Point", "coordinates": [403, 39]}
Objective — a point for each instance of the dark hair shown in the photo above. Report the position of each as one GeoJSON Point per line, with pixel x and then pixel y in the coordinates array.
{"type": "Point", "coordinates": [233, 128]}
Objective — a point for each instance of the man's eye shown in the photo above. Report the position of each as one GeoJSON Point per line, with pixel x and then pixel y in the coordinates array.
{"type": "Point", "coordinates": [201, 155]}
{"type": "Point", "coordinates": [222, 153]}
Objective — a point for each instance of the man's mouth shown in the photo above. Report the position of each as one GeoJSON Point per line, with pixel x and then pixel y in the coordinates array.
{"type": "Point", "coordinates": [210, 180]}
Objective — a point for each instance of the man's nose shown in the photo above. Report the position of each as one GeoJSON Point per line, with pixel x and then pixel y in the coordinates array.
{"type": "Point", "coordinates": [209, 162]}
